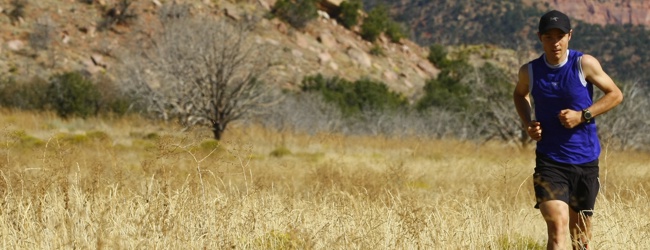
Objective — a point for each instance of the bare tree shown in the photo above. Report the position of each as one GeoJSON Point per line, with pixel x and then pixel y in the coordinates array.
{"type": "Point", "coordinates": [491, 114]}
{"type": "Point", "coordinates": [626, 126]}
{"type": "Point", "coordinates": [304, 112]}
{"type": "Point", "coordinates": [202, 71]}
{"type": "Point", "coordinates": [120, 14]}
{"type": "Point", "coordinates": [43, 31]}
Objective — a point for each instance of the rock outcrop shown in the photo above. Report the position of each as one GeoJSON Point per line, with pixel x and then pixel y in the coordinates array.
{"type": "Point", "coordinates": [636, 12]}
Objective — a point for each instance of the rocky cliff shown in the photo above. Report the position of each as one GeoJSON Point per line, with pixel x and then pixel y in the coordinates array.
{"type": "Point", "coordinates": [636, 12]}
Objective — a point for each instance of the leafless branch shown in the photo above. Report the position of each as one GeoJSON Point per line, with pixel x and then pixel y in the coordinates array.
{"type": "Point", "coordinates": [204, 72]}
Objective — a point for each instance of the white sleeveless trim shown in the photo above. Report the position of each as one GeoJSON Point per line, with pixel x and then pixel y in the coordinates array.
{"type": "Point", "coordinates": [530, 78]}
{"type": "Point", "coordinates": [583, 79]}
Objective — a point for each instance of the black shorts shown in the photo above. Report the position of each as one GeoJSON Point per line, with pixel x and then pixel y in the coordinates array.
{"type": "Point", "coordinates": [575, 184]}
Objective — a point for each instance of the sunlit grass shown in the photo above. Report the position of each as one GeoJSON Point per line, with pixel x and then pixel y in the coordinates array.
{"type": "Point", "coordinates": [133, 183]}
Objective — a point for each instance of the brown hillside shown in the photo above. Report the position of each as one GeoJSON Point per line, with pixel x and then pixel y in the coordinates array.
{"type": "Point", "coordinates": [53, 36]}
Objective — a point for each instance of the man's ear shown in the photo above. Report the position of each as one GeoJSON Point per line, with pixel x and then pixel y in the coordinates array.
{"type": "Point", "coordinates": [570, 34]}
{"type": "Point", "coordinates": [539, 36]}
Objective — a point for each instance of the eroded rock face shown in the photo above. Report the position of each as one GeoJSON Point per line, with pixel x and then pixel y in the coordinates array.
{"type": "Point", "coordinates": [603, 12]}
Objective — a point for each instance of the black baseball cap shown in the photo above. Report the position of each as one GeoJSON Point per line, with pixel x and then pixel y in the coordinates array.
{"type": "Point", "coordinates": [554, 20]}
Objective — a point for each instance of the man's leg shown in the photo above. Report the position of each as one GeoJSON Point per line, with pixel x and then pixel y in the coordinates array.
{"type": "Point", "coordinates": [556, 215]}
{"type": "Point", "coordinates": [580, 227]}
{"type": "Point", "coordinates": [584, 197]}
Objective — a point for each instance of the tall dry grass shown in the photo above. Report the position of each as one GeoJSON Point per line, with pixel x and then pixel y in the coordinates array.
{"type": "Point", "coordinates": [131, 184]}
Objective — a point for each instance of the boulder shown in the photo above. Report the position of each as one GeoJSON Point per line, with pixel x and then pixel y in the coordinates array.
{"type": "Point", "coordinates": [323, 14]}
{"type": "Point", "coordinates": [347, 42]}
{"type": "Point", "coordinates": [272, 42]}
{"type": "Point", "coordinates": [15, 45]}
{"type": "Point", "coordinates": [330, 6]}
{"type": "Point", "coordinates": [408, 84]}
{"type": "Point", "coordinates": [390, 75]}
{"type": "Point", "coordinates": [405, 49]}
{"type": "Point", "coordinates": [232, 12]}
{"type": "Point", "coordinates": [327, 40]}
{"type": "Point", "coordinates": [428, 68]}
{"type": "Point", "coordinates": [336, 3]}
{"type": "Point", "coordinates": [297, 53]}
{"type": "Point", "coordinates": [301, 40]}
{"type": "Point", "coordinates": [334, 66]}
{"type": "Point", "coordinates": [360, 57]}
{"type": "Point", "coordinates": [65, 39]}
{"type": "Point", "coordinates": [98, 60]}
{"type": "Point", "coordinates": [324, 58]}
{"type": "Point", "coordinates": [91, 67]}
{"type": "Point", "coordinates": [265, 4]}
{"type": "Point", "coordinates": [281, 26]}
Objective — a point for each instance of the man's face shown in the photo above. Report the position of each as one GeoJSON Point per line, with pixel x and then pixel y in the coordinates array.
{"type": "Point", "coordinates": [555, 43]}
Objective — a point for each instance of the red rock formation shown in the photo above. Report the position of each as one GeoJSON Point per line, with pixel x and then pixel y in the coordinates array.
{"type": "Point", "coordinates": [605, 11]}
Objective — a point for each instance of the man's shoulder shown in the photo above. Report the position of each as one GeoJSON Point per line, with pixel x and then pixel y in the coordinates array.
{"type": "Point", "coordinates": [538, 59]}
{"type": "Point", "coordinates": [578, 55]}
{"type": "Point", "coordinates": [588, 58]}
{"type": "Point", "coordinates": [581, 54]}
{"type": "Point", "coordinates": [589, 63]}
{"type": "Point", "coordinates": [523, 70]}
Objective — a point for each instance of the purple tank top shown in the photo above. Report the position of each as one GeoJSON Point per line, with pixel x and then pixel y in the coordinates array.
{"type": "Point", "coordinates": [554, 88]}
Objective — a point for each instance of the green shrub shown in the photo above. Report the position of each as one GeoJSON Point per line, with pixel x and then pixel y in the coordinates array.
{"type": "Point", "coordinates": [519, 242]}
{"type": "Point", "coordinates": [349, 16]}
{"type": "Point", "coordinates": [354, 97]}
{"type": "Point", "coordinates": [447, 91]}
{"type": "Point", "coordinates": [280, 152]}
{"type": "Point", "coordinates": [394, 31]}
{"type": "Point", "coordinates": [24, 140]}
{"type": "Point", "coordinates": [152, 136]}
{"type": "Point", "coordinates": [29, 95]}
{"type": "Point", "coordinates": [209, 144]}
{"type": "Point", "coordinates": [378, 22]}
{"type": "Point", "coordinates": [375, 23]}
{"type": "Point", "coordinates": [438, 56]}
{"type": "Point", "coordinates": [376, 50]}
{"type": "Point", "coordinates": [280, 240]}
{"type": "Point", "coordinates": [98, 136]}
{"type": "Point", "coordinates": [71, 139]}
{"type": "Point", "coordinates": [38, 94]}
{"type": "Point", "coordinates": [112, 98]}
{"type": "Point", "coordinates": [71, 94]}
{"type": "Point", "coordinates": [296, 12]}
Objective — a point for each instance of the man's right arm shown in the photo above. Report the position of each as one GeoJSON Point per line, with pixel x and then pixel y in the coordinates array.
{"type": "Point", "coordinates": [521, 96]}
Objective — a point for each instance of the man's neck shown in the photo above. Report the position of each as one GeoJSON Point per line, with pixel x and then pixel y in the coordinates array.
{"type": "Point", "coordinates": [558, 64]}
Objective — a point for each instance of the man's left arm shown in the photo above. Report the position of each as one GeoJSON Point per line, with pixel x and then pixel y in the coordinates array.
{"type": "Point", "coordinates": [595, 74]}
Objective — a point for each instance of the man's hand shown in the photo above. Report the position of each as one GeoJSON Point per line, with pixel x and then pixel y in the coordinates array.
{"type": "Point", "coordinates": [570, 118]}
{"type": "Point", "coordinates": [534, 130]}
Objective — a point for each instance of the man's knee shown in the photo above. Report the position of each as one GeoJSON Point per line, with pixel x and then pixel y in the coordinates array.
{"type": "Point", "coordinates": [556, 215]}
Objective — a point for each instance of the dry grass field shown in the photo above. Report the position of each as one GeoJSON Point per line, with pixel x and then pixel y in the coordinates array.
{"type": "Point", "coordinates": [128, 183]}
